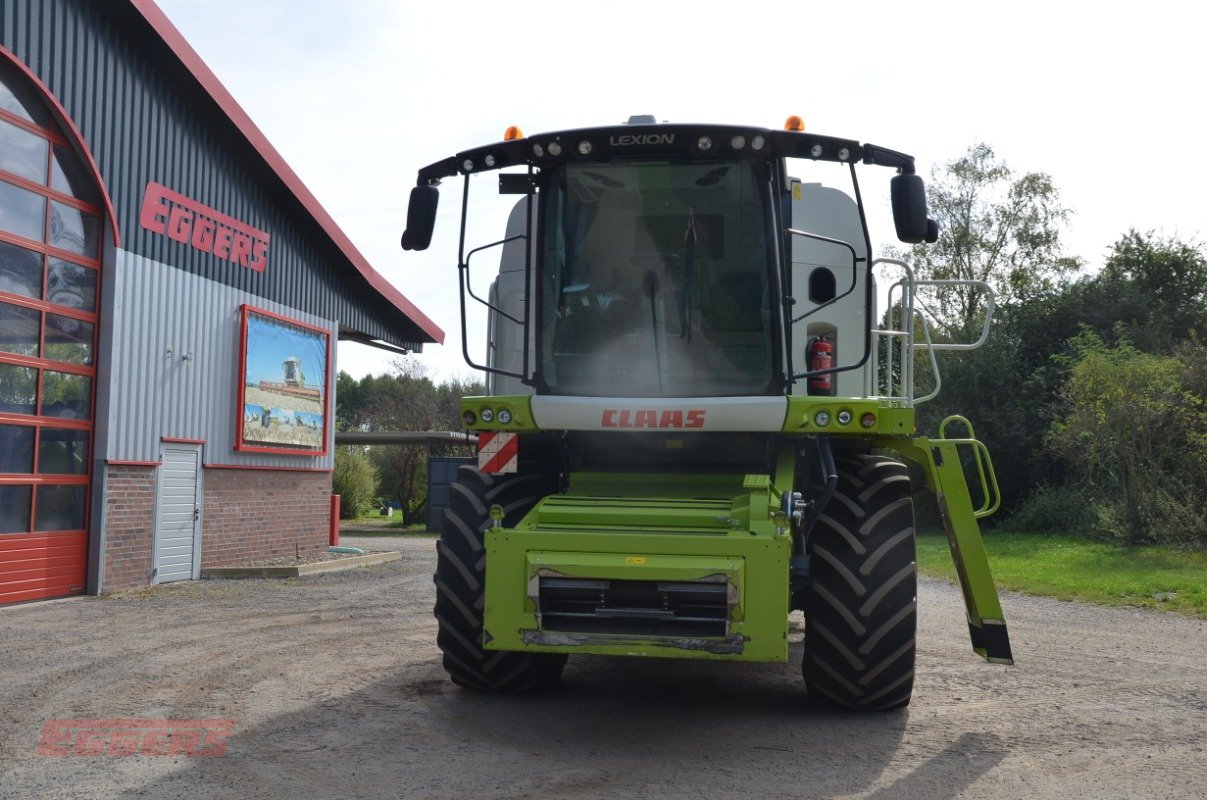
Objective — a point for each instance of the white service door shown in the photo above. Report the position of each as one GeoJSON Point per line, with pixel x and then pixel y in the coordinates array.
{"type": "Point", "coordinates": [178, 518]}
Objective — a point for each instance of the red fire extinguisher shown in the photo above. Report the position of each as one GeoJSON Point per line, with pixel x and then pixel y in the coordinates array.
{"type": "Point", "coordinates": [819, 354]}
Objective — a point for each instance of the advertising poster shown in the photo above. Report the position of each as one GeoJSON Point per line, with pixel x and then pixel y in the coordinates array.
{"type": "Point", "coordinates": [284, 395]}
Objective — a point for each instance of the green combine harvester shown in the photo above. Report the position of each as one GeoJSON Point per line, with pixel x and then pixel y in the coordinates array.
{"type": "Point", "coordinates": [694, 424]}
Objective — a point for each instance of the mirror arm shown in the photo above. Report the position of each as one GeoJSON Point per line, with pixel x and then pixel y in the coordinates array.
{"type": "Point", "coordinates": [432, 174]}
{"type": "Point", "coordinates": [883, 157]}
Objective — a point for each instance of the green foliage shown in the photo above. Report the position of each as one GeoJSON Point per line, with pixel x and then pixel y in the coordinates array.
{"type": "Point", "coordinates": [994, 226]}
{"type": "Point", "coordinates": [405, 400]}
{"type": "Point", "coordinates": [355, 481]}
{"type": "Point", "coordinates": [1053, 509]}
{"type": "Point", "coordinates": [1134, 434]}
{"type": "Point", "coordinates": [1071, 568]}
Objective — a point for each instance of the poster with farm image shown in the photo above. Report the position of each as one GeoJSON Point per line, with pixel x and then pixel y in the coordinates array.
{"type": "Point", "coordinates": [284, 392]}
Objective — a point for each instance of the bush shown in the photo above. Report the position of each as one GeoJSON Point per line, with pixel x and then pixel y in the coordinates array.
{"type": "Point", "coordinates": [1134, 433]}
{"type": "Point", "coordinates": [1053, 509]}
{"type": "Point", "coordinates": [355, 481]}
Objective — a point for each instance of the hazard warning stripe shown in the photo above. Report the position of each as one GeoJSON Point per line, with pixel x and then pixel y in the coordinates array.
{"type": "Point", "coordinates": [498, 453]}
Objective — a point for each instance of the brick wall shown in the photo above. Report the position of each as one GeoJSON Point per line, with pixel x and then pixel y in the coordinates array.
{"type": "Point", "coordinates": [258, 514]}
{"type": "Point", "coordinates": [129, 526]}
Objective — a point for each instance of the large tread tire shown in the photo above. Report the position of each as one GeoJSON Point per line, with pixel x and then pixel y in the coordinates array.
{"type": "Point", "coordinates": [461, 583]}
{"type": "Point", "coordinates": [861, 607]}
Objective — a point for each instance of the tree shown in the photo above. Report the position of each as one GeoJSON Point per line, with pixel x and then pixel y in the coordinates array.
{"type": "Point", "coordinates": [1134, 435]}
{"type": "Point", "coordinates": [355, 481]}
{"type": "Point", "coordinates": [404, 400]}
{"type": "Point", "coordinates": [995, 227]}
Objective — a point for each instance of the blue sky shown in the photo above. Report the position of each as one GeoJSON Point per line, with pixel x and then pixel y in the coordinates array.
{"type": "Point", "coordinates": [269, 343]}
{"type": "Point", "coordinates": [358, 95]}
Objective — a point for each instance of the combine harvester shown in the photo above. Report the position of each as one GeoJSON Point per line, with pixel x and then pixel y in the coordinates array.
{"type": "Point", "coordinates": [687, 433]}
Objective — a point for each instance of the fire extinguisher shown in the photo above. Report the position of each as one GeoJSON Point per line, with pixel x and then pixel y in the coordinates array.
{"type": "Point", "coordinates": [819, 355]}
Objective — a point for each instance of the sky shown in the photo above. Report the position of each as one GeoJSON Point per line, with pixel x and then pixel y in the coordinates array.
{"type": "Point", "coordinates": [358, 95]}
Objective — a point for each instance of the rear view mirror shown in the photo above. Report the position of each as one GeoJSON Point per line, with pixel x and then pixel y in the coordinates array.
{"type": "Point", "coordinates": [421, 218]}
{"type": "Point", "coordinates": [909, 210]}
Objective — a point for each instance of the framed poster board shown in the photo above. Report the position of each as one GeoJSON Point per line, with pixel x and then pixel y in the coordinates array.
{"type": "Point", "coordinates": [284, 385]}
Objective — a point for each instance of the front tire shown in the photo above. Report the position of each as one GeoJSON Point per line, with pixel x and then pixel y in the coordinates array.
{"type": "Point", "coordinates": [861, 606]}
{"type": "Point", "coordinates": [461, 583]}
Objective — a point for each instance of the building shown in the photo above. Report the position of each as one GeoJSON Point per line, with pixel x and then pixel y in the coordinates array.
{"type": "Point", "coordinates": [171, 297]}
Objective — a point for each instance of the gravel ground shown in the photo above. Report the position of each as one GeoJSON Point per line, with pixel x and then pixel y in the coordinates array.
{"type": "Point", "coordinates": [335, 690]}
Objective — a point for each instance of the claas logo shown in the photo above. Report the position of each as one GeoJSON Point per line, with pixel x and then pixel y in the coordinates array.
{"type": "Point", "coordinates": [670, 418]}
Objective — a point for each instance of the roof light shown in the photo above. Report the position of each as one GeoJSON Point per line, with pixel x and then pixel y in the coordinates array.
{"type": "Point", "coordinates": [537, 150]}
{"type": "Point", "coordinates": [757, 142]}
{"type": "Point", "coordinates": [737, 142]}
{"type": "Point", "coordinates": [490, 160]}
{"type": "Point", "coordinates": [585, 148]}
{"type": "Point", "coordinates": [555, 149]}
{"type": "Point", "coordinates": [704, 143]}
{"type": "Point", "coordinates": [468, 165]}
{"type": "Point", "coordinates": [815, 151]}
{"type": "Point", "coordinates": [512, 133]}
{"type": "Point", "coordinates": [794, 123]}
{"type": "Point", "coordinates": [844, 154]}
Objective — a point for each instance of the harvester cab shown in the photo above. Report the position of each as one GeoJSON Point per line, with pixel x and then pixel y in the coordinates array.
{"type": "Point", "coordinates": [694, 420]}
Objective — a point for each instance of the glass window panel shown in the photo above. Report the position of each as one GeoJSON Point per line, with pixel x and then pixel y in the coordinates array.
{"type": "Point", "coordinates": [20, 271]}
{"type": "Point", "coordinates": [63, 452]}
{"type": "Point", "coordinates": [60, 508]}
{"type": "Point", "coordinates": [69, 175]}
{"type": "Point", "coordinates": [22, 212]}
{"type": "Point", "coordinates": [68, 339]}
{"type": "Point", "coordinates": [19, 329]}
{"type": "Point", "coordinates": [17, 449]}
{"type": "Point", "coordinates": [74, 230]}
{"type": "Point", "coordinates": [18, 97]}
{"type": "Point", "coordinates": [14, 508]}
{"type": "Point", "coordinates": [23, 153]}
{"type": "Point", "coordinates": [18, 389]}
{"type": "Point", "coordinates": [71, 285]}
{"type": "Point", "coordinates": [66, 396]}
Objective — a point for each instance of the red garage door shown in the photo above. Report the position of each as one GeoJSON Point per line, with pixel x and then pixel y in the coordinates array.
{"type": "Point", "coordinates": [50, 221]}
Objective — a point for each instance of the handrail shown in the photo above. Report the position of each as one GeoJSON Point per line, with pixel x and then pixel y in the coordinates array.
{"type": "Point", "coordinates": [984, 466]}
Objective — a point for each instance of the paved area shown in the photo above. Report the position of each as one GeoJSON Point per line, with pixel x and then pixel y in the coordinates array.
{"type": "Point", "coordinates": [334, 689]}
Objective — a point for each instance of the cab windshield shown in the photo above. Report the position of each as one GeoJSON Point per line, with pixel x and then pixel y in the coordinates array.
{"type": "Point", "coordinates": [656, 280]}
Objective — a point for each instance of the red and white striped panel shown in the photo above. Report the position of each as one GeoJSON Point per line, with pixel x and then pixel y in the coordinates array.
{"type": "Point", "coordinates": [498, 453]}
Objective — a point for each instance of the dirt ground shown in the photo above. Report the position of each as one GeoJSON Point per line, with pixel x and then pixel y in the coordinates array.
{"type": "Point", "coordinates": [335, 690]}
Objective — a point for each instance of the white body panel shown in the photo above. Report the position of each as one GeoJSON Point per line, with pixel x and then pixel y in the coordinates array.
{"type": "Point", "coordinates": [831, 213]}
{"type": "Point", "coordinates": [670, 414]}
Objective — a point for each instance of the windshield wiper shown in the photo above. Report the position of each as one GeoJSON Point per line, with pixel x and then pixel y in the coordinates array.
{"type": "Point", "coordinates": [649, 285]}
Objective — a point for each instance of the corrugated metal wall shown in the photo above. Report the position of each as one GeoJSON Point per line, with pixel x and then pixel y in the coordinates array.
{"type": "Point", "coordinates": [145, 119]}
{"type": "Point", "coordinates": [153, 395]}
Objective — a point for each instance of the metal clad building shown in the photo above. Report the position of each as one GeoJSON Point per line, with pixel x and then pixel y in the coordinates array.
{"type": "Point", "coordinates": [170, 295]}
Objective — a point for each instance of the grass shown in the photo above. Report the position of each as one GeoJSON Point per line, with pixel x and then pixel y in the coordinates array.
{"type": "Point", "coordinates": [1071, 568]}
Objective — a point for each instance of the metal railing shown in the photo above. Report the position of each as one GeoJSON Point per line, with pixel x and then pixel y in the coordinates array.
{"type": "Point", "coordinates": [911, 314]}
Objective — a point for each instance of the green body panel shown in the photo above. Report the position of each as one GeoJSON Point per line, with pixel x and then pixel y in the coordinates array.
{"type": "Point", "coordinates": [693, 533]}
{"type": "Point", "coordinates": [940, 460]}
{"type": "Point", "coordinates": [670, 526]}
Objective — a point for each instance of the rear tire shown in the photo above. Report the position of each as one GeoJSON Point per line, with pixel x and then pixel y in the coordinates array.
{"type": "Point", "coordinates": [461, 583]}
{"type": "Point", "coordinates": [861, 606]}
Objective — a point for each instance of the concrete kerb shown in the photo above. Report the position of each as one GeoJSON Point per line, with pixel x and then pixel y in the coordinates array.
{"type": "Point", "coordinates": [301, 570]}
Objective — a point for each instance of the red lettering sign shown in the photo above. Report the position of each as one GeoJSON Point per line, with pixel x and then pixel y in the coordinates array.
{"type": "Point", "coordinates": [186, 221]}
{"type": "Point", "coordinates": [670, 418]}
{"type": "Point", "coordinates": [127, 737]}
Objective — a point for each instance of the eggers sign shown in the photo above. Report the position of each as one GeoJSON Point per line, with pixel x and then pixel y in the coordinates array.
{"type": "Point", "coordinates": [185, 220]}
